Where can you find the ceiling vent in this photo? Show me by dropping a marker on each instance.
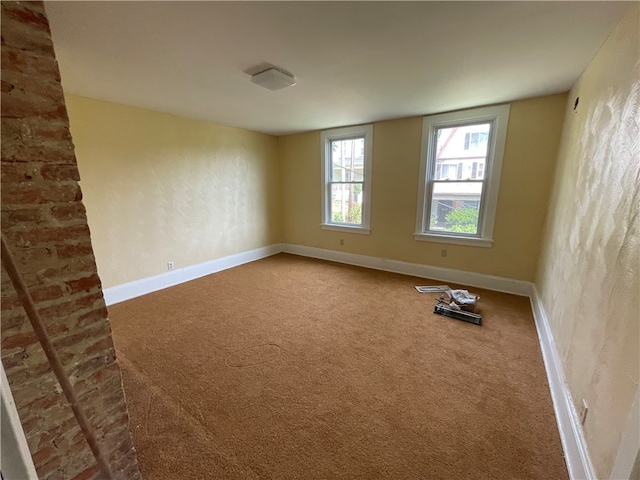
(274, 79)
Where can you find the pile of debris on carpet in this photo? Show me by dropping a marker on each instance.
(458, 303)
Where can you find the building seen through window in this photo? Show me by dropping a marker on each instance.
(460, 158)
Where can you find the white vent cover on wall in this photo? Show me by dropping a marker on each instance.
(273, 79)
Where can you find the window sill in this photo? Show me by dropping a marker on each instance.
(345, 228)
(453, 239)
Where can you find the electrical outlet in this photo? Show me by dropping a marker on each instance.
(169, 265)
(341, 241)
(443, 252)
(584, 409)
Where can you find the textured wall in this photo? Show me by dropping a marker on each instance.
(589, 272)
(164, 188)
(532, 141)
(44, 222)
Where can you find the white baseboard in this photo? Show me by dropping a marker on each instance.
(490, 282)
(130, 290)
(571, 434)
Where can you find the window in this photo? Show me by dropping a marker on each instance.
(460, 166)
(475, 139)
(346, 178)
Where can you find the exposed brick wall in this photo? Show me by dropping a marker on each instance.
(44, 222)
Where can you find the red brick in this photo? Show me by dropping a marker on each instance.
(79, 250)
(72, 339)
(83, 284)
(24, 193)
(48, 400)
(94, 364)
(90, 472)
(11, 217)
(70, 306)
(60, 172)
(31, 36)
(29, 67)
(38, 295)
(43, 400)
(34, 130)
(30, 425)
(33, 193)
(75, 211)
(103, 345)
(20, 104)
(34, 257)
(67, 269)
(57, 328)
(57, 235)
(12, 322)
(89, 300)
(50, 151)
(25, 13)
(90, 318)
(15, 360)
(43, 455)
(110, 372)
(47, 468)
(54, 433)
(18, 172)
(21, 82)
(19, 340)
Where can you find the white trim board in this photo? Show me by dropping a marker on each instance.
(16, 460)
(490, 282)
(127, 291)
(576, 454)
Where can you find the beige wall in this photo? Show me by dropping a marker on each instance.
(588, 276)
(530, 152)
(160, 188)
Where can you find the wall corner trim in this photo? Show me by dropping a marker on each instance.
(574, 444)
(472, 279)
(16, 457)
(137, 288)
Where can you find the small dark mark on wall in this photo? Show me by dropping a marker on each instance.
(575, 105)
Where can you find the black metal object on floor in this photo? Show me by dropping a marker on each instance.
(458, 314)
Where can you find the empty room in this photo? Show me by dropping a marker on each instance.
(320, 240)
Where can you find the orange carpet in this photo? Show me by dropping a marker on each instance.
(293, 368)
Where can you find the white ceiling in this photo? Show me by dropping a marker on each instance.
(355, 62)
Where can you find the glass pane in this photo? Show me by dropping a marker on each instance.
(347, 160)
(455, 207)
(346, 203)
(461, 152)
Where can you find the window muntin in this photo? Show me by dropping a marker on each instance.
(346, 181)
(460, 174)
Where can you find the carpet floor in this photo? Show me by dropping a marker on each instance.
(294, 368)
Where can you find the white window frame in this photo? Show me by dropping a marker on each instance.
(345, 133)
(498, 116)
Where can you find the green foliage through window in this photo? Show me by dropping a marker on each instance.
(463, 220)
(354, 215)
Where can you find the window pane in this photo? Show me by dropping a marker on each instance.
(347, 160)
(346, 203)
(458, 149)
(455, 207)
